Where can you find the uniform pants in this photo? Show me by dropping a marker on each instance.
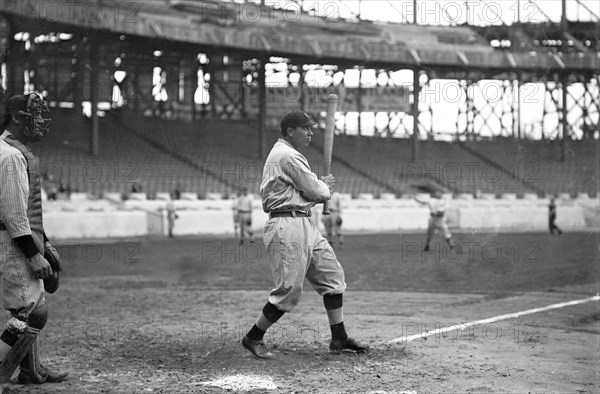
(331, 224)
(22, 292)
(435, 224)
(295, 250)
(245, 223)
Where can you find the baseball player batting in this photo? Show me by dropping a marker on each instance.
(295, 246)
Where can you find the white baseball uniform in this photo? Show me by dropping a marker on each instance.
(295, 246)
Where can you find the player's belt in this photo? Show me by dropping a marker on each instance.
(2, 227)
(244, 211)
(290, 214)
(437, 215)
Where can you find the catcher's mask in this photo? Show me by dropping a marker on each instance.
(36, 115)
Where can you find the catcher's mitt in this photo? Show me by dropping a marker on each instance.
(52, 282)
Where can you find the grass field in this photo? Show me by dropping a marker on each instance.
(484, 263)
(167, 315)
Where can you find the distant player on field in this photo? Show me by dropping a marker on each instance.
(552, 217)
(236, 219)
(244, 211)
(437, 219)
(333, 221)
(171, 217)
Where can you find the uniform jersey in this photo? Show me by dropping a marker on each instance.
(335, 203)
(333, 221)
(244, 212)
(234, 208)
(14, 192)
(437, 208)
(288, 183)
(244, 204)
(295, 246)
(437, 219)
(171, 212)
(552, 208)
(22, 292)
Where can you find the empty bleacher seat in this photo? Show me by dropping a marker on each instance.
(530, 196)
(423, 196)
(76, 197)
(112, 196)
(387, 196)
(138, 196)
(189, 196)
(214, 196)
(163, 196)
(538, 164)
(214, 155)
(345, 196)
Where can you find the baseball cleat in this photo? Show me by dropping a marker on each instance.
(257, 348)
(347, 345)
(44, 375)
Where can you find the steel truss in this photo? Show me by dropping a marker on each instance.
(166, 79)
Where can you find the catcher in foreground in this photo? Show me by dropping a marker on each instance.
(29, 265)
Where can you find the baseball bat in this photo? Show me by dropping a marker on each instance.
(332, 102)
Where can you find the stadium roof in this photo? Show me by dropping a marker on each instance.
(266, 31)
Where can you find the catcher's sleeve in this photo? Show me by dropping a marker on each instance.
(27, 245)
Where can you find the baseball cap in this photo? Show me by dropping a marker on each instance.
(295, 119)
(17, 103)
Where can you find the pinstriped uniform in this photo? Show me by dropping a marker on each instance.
(22, 292)
(295, 246)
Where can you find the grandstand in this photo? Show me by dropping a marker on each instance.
(211, 156)
(442, 166)
(175, 97)
(123, 160)
(538, 164)
(217, 156)
(218, 145)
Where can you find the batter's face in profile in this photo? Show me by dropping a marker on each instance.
(300, 137)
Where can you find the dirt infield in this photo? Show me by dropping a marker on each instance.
(167, 316)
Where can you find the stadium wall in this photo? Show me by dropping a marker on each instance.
(136, 218)
(95, 225)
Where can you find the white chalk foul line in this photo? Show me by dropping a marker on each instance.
(462, 326)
